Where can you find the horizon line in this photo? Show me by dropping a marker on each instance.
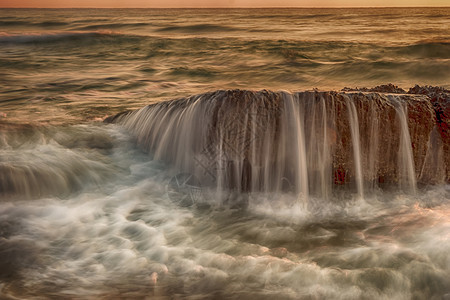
(224, 7)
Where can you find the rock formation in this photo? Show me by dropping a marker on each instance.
(304, 142)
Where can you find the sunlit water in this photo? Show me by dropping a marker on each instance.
(88, 215)
(67, 65)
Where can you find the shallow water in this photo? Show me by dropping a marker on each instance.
(85, 213)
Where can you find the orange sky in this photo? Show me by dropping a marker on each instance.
(217, 3)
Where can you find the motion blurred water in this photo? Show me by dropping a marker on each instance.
(70, 65)
(84, 212)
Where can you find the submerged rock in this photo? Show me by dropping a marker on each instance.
(304, 142)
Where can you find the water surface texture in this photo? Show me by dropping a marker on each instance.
(80, 64)
(86, 211)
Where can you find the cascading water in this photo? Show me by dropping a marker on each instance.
(295, 115)
(407, 174)
(307, 143)
(354, 128)
(328, 179)
(38, 162)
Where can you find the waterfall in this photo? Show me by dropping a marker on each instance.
(295, 116)
(305, 143)
(407, 174)
(354, 128)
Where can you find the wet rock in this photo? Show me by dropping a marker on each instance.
(440, 98)
(257, 141)
(116, 118)
(385, 88)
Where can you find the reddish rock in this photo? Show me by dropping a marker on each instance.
(266, 141)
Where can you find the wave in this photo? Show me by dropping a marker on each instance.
(52, 23)
(433, 48)
(197, 28)
(192, 72)
(32, 24)
(113, 26)
(38, 161)
(287, 14)
(13, 23)
(50, 37)
(288, 49)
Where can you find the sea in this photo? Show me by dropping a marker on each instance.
(85, 212)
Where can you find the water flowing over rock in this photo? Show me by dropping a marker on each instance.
(440, 98)
(36, 161)
(310, 143)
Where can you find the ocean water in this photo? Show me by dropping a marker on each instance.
(72, 65)
(85, 213)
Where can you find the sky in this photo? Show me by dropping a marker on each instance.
(218, 3)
